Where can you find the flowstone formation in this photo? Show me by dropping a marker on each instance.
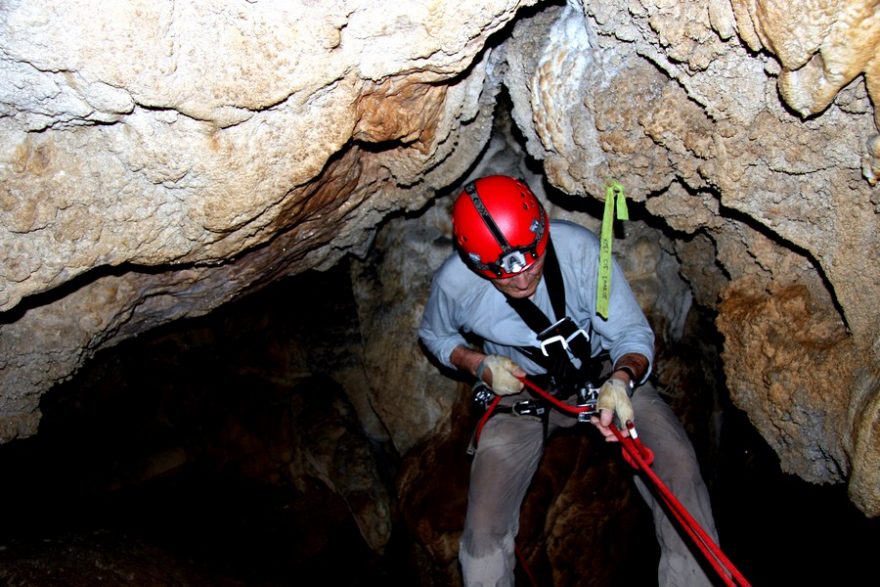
(161, 158)
(768, 186)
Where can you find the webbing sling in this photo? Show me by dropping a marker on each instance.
(557, 362)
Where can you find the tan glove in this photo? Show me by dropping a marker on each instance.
(614, 398)
(504, 374)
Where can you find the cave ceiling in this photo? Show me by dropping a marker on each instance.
(159, 159)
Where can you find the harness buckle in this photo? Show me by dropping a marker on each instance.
(483, 395)
(527, 407)
(563, 332)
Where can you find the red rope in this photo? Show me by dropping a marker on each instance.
(525, 566)
(722, 565)
(637, 453)
(559, 404)
(484, 419)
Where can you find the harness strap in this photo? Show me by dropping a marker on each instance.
(526, 308)
(562, 375)
(527, 407)
(553, 357)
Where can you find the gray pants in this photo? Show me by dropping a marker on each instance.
(507, 457)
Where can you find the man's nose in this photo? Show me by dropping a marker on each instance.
(521, 280)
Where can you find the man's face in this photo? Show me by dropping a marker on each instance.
(524, 283)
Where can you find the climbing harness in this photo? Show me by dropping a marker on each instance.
(584, 407)
(558, 342)
(559, 338)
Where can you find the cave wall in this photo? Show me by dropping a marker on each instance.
(752, 152)
(160, 159)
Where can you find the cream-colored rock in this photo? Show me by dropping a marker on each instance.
(158, 159)
(182, 135)
(823, 46)
(787, 384)
(227, 111)
(782, 199)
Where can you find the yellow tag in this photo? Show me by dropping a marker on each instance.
(613, 193)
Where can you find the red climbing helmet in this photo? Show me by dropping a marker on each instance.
(500, 226)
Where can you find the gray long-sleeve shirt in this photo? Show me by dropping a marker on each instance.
(462, 301)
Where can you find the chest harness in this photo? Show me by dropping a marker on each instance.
(556, 338)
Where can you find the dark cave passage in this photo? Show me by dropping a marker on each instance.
(172, 459)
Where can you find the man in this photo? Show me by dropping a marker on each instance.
(527, 288)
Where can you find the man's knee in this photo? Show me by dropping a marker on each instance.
(487, 559)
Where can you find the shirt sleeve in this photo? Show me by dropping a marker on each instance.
(439, 331)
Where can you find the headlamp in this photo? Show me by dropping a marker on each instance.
(509, 263)
(513, 262)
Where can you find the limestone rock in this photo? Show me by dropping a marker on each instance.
(673, 106)
(160, 159)
(183, 154)
(821, 49)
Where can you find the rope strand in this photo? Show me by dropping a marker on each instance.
(635, 450)
(722, 565)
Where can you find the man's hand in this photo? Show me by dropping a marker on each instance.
(502, 374)
(613, 399)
